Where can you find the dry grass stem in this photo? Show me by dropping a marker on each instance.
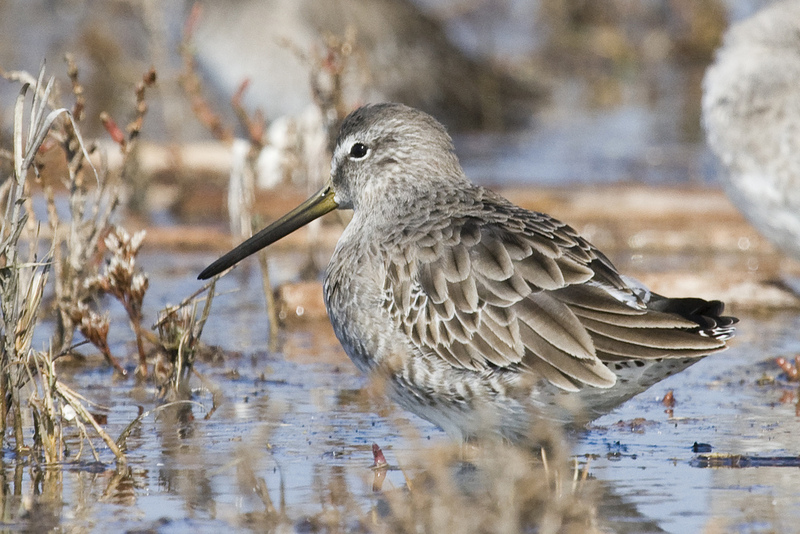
(193, 85)
(179, 329)
(26, 371)
(75, 256)
(74, 401)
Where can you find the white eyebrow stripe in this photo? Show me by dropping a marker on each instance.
(343, 148)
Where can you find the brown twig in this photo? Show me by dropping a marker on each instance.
(77, 88)
(73, 400)
(254, 125)
(135, 126)
(193, 85)
(329, 97)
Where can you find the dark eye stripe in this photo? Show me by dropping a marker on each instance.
(358, 150)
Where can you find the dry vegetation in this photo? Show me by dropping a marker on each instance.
(86, 256)
(62, 267)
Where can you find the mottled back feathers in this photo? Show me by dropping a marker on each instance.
(497, 286)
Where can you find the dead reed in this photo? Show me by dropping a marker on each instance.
(89, 255)
(28, 380)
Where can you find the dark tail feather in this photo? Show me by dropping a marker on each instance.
(706, 313)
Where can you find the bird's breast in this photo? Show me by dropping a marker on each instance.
(353, 292)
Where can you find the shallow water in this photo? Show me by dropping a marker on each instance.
(300, 420)
(719, 403)
(298, 424)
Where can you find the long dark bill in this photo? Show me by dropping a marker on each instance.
(318, 205)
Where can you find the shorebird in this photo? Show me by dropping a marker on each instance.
(751, 112)
(478, 315)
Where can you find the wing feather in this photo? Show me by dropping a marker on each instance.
(554, 321)
(590, 371)
(505, 287)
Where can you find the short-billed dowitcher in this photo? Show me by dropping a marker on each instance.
(480, 316)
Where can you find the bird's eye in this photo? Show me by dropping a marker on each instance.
(358, 150)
